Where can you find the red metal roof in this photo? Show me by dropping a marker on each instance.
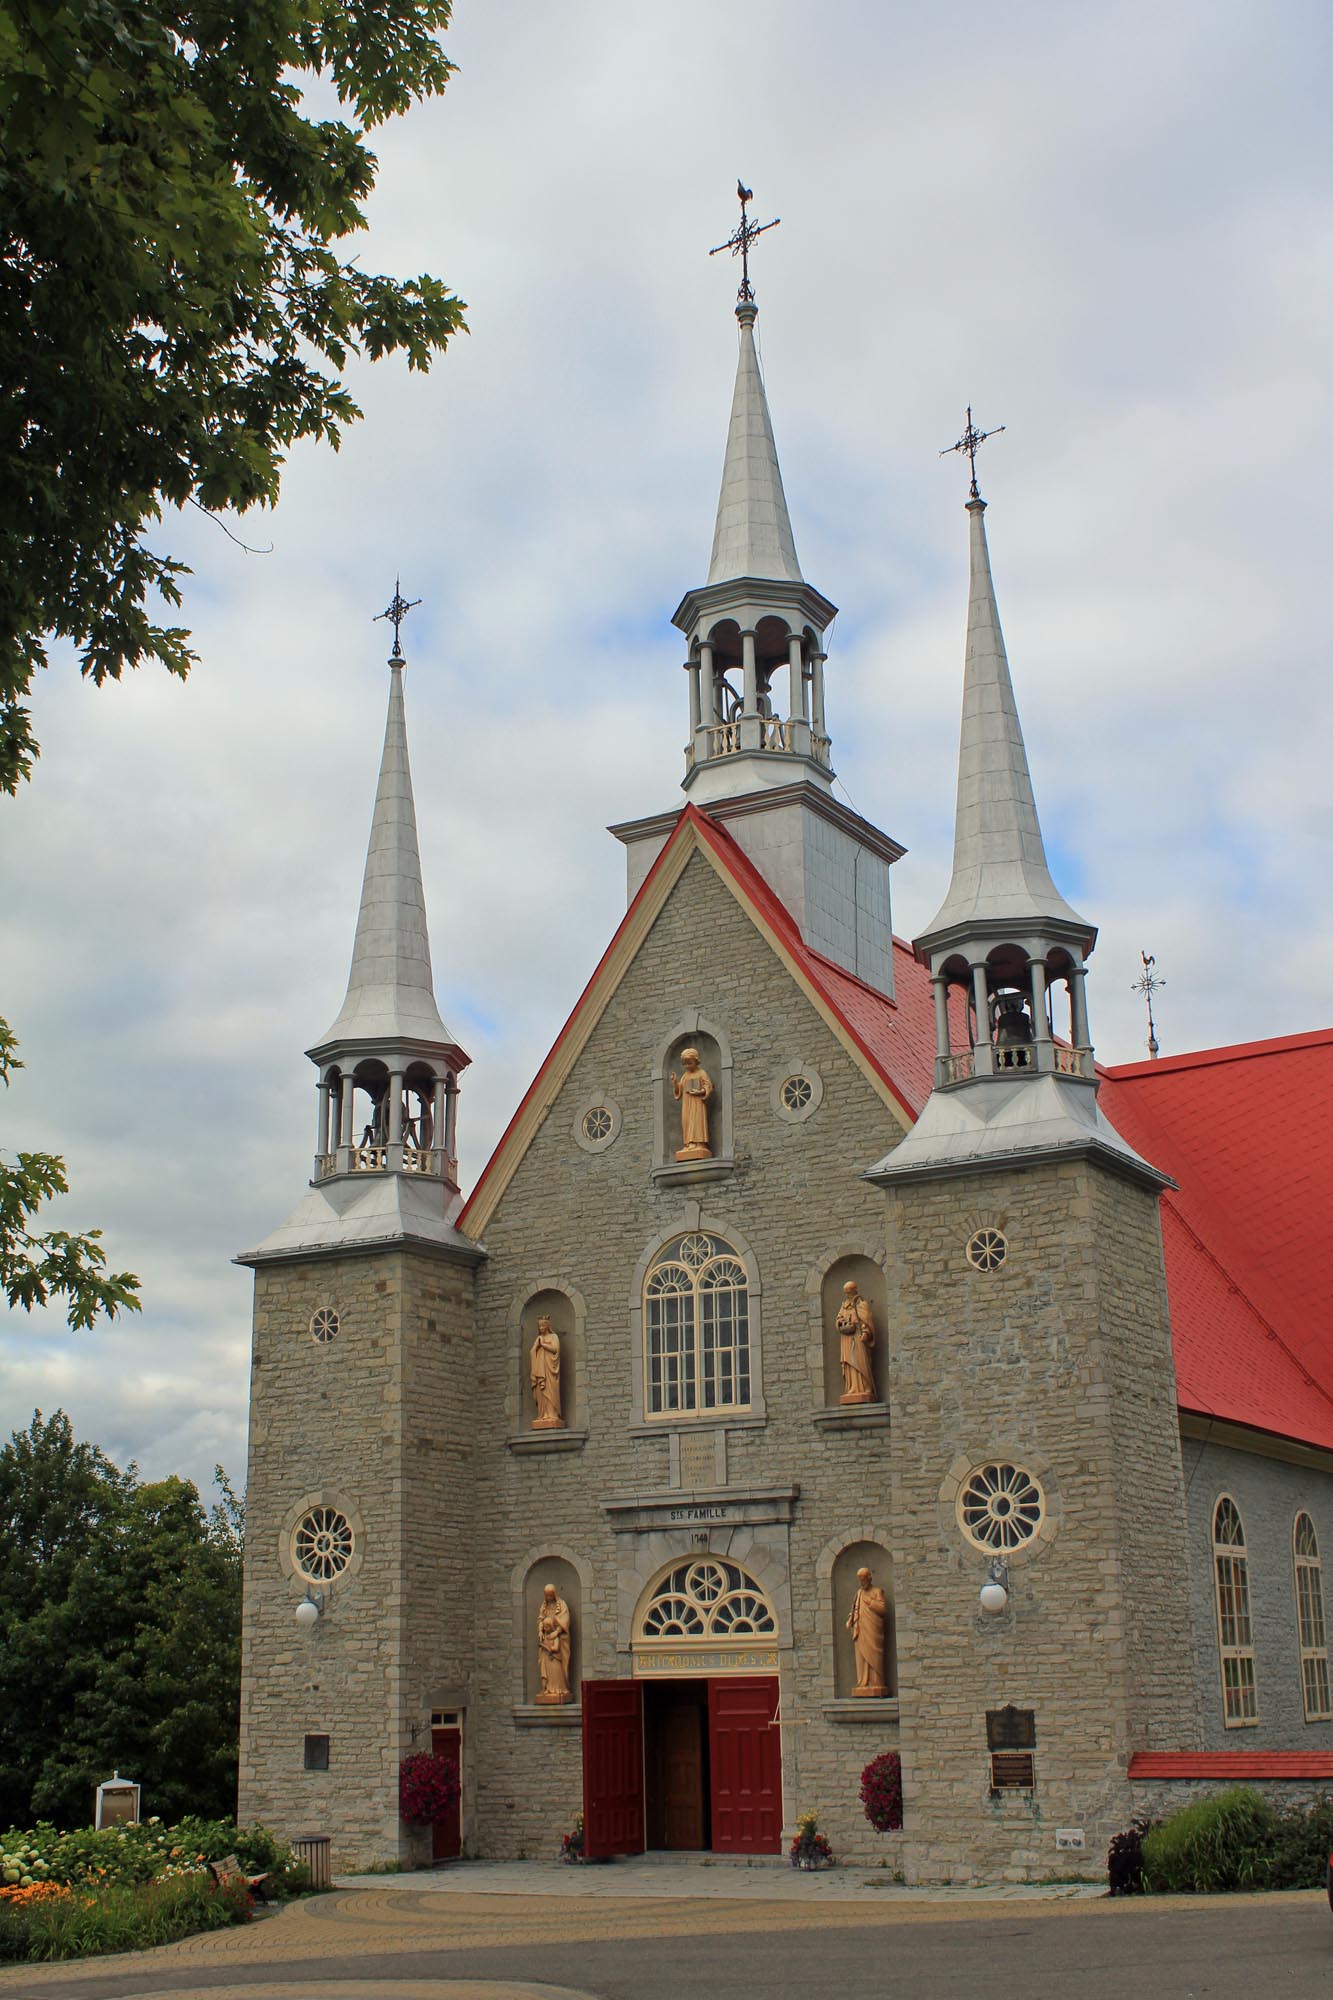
(1234, 1764)
(1247, 1132)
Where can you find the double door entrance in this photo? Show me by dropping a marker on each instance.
(682, 1764)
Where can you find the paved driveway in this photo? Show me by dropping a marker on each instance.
(397, 1942)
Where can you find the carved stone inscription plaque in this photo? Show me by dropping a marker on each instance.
(698, 1461)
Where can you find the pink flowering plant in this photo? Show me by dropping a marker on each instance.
(882, 1792)
(572, 1843)
(427, 1788)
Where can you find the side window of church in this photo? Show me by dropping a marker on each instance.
(1310, 1621)
(1235, 1631)
(696, 1328)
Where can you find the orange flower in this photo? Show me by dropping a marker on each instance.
(36, 1892)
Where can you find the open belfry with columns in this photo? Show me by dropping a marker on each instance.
(833, 1358)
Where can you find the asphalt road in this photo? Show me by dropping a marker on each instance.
(1260, 1948)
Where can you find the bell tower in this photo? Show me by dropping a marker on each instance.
(1036, 1481)
(357, 1616)
(758, 755)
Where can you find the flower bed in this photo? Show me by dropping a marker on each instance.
(70, 1895)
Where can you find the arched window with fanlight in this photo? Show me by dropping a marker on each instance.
(1235, 1630)
(1310, 1621)
(696, 1319)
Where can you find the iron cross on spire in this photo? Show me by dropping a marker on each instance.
(1147, 984)
(739, 243)
(971, 442)
(397, 610)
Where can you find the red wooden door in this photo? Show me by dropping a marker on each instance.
(613, 1767)
(446, 1835)
(745, 1764)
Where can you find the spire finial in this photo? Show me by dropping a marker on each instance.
(971, 442)
(396, 611)
(740, 240)
(1147, 984)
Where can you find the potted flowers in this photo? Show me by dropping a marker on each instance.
(882, 1792)
(810, 1849)
(571, 1843)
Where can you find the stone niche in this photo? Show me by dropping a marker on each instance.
(871, 1556)
(869, 1280)
(567, 1321)
(552, 1569)
(715, 1059)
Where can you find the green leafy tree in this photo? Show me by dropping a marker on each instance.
(35, 1269)
(175, 308)
(120, 1610)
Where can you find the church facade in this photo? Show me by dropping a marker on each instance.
(832, 1359)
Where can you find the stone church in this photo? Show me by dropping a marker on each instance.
(833, 1357)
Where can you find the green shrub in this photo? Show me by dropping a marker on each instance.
(118, 1916)
(1302, 1840)
(1223, 1842)
(150, 1852)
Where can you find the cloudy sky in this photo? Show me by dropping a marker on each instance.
(1108, 228)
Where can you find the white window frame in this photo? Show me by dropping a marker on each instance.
(678, 1274)
(1235, 1621)
(1311, 1626)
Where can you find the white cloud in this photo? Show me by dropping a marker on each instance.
(1108, 230)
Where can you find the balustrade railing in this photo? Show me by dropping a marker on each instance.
(1073, 1062)
(1016, 1055)
(374, 1159)
(957, 1068)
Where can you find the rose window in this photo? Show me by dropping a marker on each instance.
(322, 1545)
(797, 1091)
(1001, 1507)
(597, 1124)
(987, 1250)
(324, 1324)
(707, 1600)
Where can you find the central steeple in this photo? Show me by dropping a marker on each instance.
(753, 535)
(758, 756)
(756, 629)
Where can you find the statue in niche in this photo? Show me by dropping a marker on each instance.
(856, 1329)
(692, 1092)
(544, 1375)
(553, 1646)
(868, 1623)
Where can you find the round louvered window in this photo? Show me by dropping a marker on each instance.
(987, 1249)
(322, 1544)
(1000, 1507)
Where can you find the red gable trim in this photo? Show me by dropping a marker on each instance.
(771, 914)
(1233, 1764)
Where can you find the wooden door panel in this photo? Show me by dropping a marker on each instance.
(446, 1835)
(745, 1759)
(683, 1774)
(613, 1767)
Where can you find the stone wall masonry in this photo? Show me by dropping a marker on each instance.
(1053, 1361)
(1269, 1494)
(584, 1222)
(365, 1423)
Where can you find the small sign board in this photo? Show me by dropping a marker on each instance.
(1069, 1836)
(1012, 1771)
(117, 1802)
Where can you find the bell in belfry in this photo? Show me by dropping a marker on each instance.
(1013, 1025)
